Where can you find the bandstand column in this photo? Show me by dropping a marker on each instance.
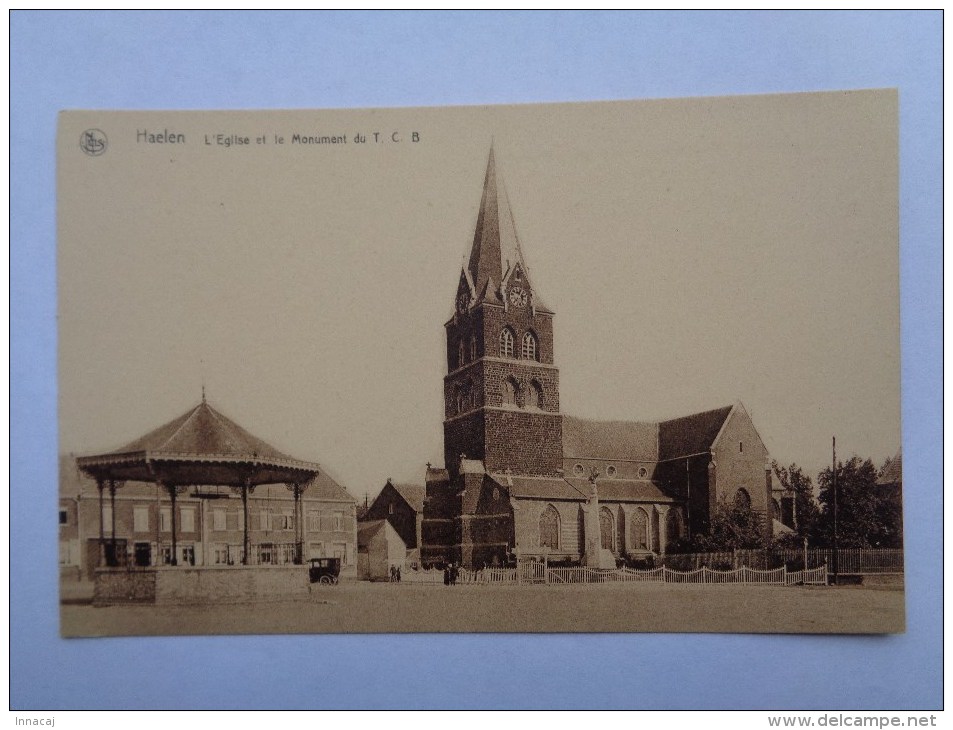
(245, 542)
(102, 520)
(172, 495)
(113, 560)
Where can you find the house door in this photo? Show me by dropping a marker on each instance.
(143, 554)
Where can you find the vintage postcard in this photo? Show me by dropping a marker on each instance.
(614, 367)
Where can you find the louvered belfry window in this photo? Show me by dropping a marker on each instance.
(530, 349)
(506, 342)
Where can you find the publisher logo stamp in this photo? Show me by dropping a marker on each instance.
(93, 142)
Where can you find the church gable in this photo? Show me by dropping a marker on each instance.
(693, 434)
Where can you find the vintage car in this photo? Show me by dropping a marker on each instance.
(324, 570)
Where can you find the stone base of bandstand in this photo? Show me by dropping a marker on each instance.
(190, 585)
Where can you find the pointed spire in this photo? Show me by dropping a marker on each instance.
(496, 247)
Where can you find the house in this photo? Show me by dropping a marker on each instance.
(379, 549)
(521, 478)
(402, 505)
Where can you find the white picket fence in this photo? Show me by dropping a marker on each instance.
(561, 576)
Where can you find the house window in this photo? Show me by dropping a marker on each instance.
(64, 517)
(549, 528)
(64, 553)
(530, 348)
(140, 519)
(165, 519)
(338, 524)
(165, 555)
(188, 555)
(283, 522)
(266, 554)
(218, 520)
(339, 550)
(506, 342)
(188, 518)
(534, 397)
(220, 554)
(510, 389)
(315, 550)
(264, 520)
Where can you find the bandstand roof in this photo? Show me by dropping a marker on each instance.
(199, 447)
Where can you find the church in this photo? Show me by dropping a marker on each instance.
(524, 480)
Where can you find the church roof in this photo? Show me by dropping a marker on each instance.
(496, 249)
(692, 434)
(578, 490)
(614, 440)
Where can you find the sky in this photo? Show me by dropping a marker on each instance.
(696, 252)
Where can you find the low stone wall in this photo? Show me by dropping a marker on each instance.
(205, 585)
(124, 586)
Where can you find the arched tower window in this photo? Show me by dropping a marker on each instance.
(639, 529)
(534, 397)
(510, 391)
(473, 353)
(506, 342)
(461, 355)
(549, 528)
(465, 398)
(742, 499)
(530, 347)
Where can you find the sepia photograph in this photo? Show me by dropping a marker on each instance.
(627, 366)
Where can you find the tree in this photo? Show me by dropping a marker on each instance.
(733, 526)
(806, 510)
(864, 515)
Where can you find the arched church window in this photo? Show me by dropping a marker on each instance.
(530, 347)
(742, 499)
(461, 355)
(473, 353)
(534, 397)
(776, 509)
(549, 528)
(674, 526)
(639, 530)
(506, 342)
(510, 391)
(606, 530)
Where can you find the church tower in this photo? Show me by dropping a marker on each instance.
(501, 391)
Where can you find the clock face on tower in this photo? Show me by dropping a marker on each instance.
(518, 297)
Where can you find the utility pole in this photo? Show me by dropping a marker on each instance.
(834, 475)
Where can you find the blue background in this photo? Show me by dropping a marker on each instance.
(205, 60)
